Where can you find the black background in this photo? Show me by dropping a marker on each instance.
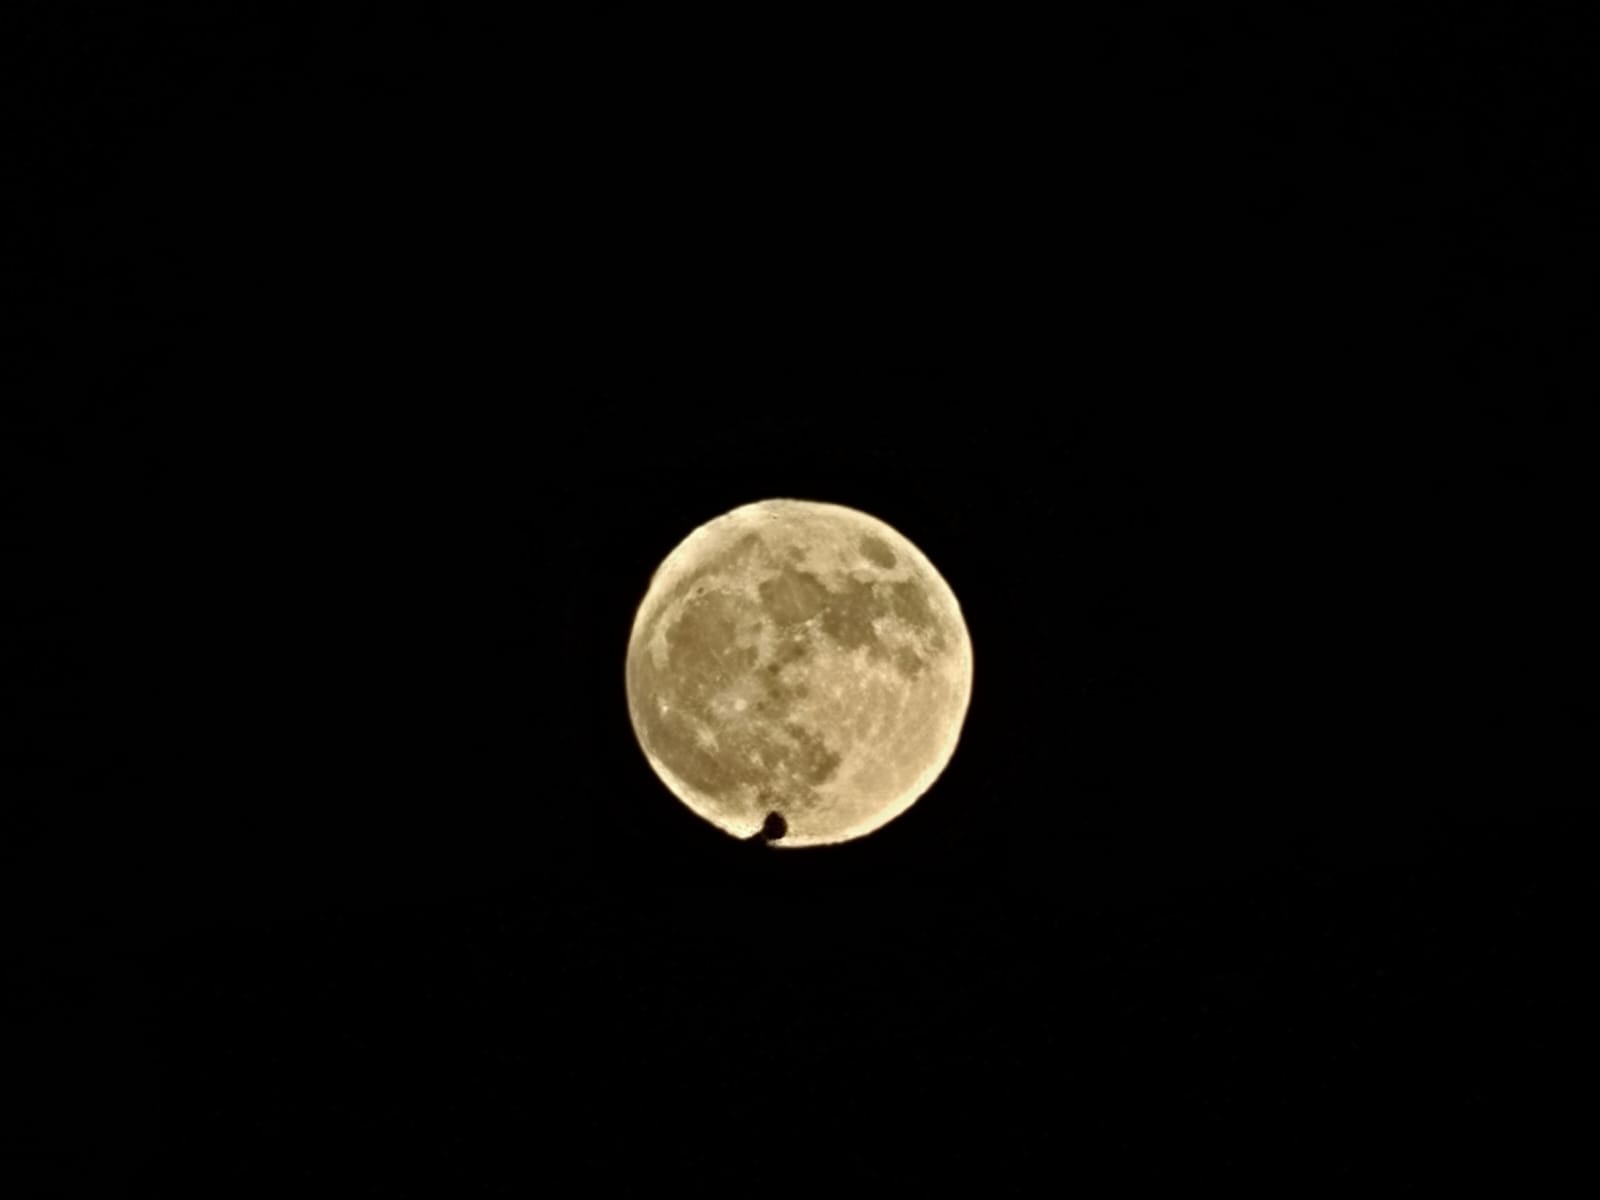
(369, 362)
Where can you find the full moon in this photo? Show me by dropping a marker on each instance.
(798, 669)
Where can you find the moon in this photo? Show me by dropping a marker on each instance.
(800, 670)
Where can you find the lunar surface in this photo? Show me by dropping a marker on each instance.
(798, 667)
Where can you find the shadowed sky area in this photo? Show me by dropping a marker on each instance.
(370, 362)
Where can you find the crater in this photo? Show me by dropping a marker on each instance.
(848, 618)
(703, 645)
(795, 648)
(793, 597)
(700, 579)
(697, 765)
(908, 662)
(812, 760)
(876, 551)
(738, 552)
(909, 602)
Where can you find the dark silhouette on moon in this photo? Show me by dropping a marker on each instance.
(774, 827)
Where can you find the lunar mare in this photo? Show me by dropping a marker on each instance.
(803, 659)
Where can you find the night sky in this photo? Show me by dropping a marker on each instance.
(369, 363)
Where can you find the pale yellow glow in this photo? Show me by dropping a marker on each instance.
(802, 658)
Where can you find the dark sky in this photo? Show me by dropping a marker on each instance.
(370, 362)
